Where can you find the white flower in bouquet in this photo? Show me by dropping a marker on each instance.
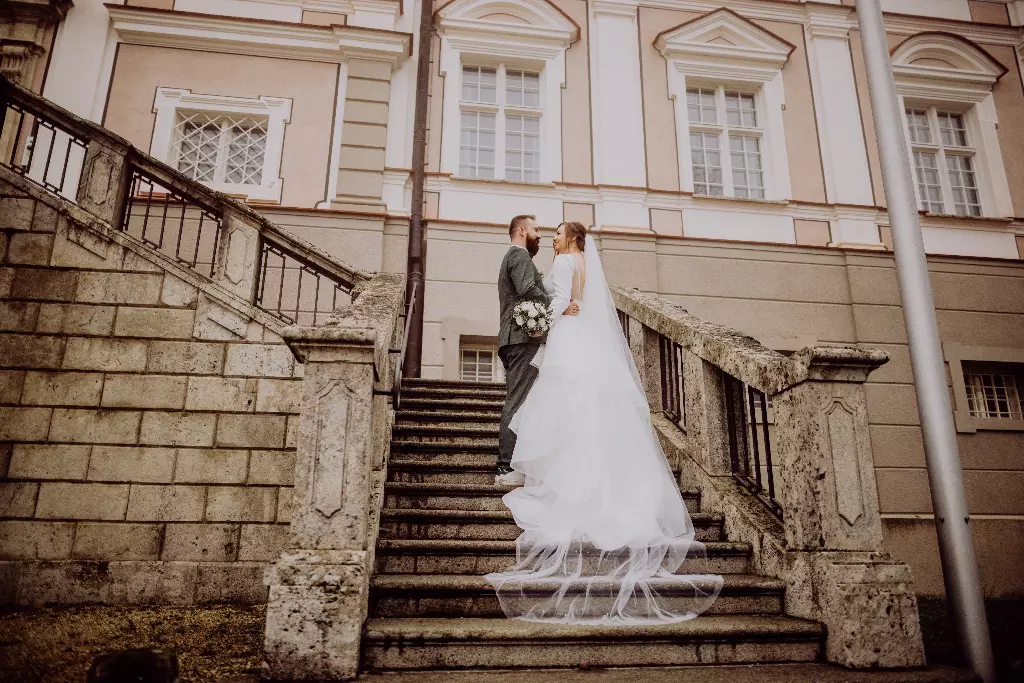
(520, 321)
(531, 324)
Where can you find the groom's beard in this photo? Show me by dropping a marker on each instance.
(533, 246)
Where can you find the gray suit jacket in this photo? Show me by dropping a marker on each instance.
(518, 280)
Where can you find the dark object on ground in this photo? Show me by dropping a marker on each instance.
(1004, 622)
(144, 665)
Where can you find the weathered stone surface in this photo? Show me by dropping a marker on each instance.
(279, 396)
(211, 466)
(262, 542)
(102, 502)
(237, 582)
(177, 292)
(43, 284)
(191, 358)
(49, 461)
(30, 249)
(131, 464)
(204, 542)
(272, 467)
(109, 355)
(315, 614)
(94, 426)
(18, 499)
(258, 360)
(35, 540)
(231, 394)
(98, 541)
(166, 503)
(62, 388)
(24, 424)
(11, 383)
(177, 429)
(251, 431)
(144, 391)
(241, 504)
(18, 316)
(30, 351)
(76, 319)
(154, 323)
(119, 288)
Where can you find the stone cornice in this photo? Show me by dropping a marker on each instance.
(257, 37)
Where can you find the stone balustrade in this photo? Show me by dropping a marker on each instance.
(827, 545)
(319, 589)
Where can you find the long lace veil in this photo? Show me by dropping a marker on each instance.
(605, 528)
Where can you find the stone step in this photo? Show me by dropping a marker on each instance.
(467, 496)
(419, 448)
(422, 403)
(411, 644)
(495, 525)
(425, 465)
(407, 416)
(458, 392)
(421, 383)
(415, 556)
(458, 596)
(445, 434)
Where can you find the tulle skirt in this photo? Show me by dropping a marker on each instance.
(606, 536)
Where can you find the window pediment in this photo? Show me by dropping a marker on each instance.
(724, 38)
(945, 62)
(531, 21)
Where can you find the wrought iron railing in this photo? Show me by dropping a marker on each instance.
(750, 443)
(169, 212)
(182, 227)
(673, 386)
(39, 148)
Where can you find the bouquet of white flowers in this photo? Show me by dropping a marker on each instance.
(533, 318)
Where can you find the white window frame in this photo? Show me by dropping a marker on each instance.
(723, 131)
(748, 59)
(501, 109)
(956, 356)
(469, 37)
(277, 110)
(497, 374)
(950, 74)
(942, 152)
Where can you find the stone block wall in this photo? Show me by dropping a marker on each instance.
(147, 422)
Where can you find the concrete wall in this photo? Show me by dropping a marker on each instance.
(146, 452)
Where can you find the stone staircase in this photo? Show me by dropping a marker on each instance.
(443, 526)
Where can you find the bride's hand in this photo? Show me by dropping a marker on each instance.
(573, 309)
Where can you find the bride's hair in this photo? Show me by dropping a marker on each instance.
(576, 232)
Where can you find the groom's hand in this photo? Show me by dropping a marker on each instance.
(573, 309)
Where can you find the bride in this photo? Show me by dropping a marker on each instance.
(604, 525)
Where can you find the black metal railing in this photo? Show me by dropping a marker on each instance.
(673, 388)
(624, 324)
(750, 444)
(184, 228)
(293, 288)
(39, 148)
(410, 309)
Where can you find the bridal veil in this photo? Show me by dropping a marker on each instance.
(606, 536)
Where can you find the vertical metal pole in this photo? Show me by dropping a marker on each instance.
(416, 261)
(945, 474)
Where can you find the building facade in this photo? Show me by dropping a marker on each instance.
(723, 150)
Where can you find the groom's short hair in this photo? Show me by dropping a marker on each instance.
(519, 222)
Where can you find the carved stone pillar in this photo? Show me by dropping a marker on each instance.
(102, 187)
(643, 343)
(319, 588)
(706, 419)
(836, 570)
(238, 253)
(26, 30)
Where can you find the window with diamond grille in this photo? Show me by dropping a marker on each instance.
(722, 120)
(221, 149)
(500, 123)
(993, 390)
(944, 162)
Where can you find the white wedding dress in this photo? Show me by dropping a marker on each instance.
(604, 526)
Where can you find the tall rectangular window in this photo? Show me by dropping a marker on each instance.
(722, 119)
(944, 162)
(501, 114)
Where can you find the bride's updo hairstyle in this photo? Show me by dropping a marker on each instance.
(576, 232)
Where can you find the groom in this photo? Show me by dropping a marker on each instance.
(518, 281)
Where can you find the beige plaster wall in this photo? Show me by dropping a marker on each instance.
(804, 151)
(988, 13)
(140, 70)
(1009, 97)
(577, 151)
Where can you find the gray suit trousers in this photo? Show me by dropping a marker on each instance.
(519, 379)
